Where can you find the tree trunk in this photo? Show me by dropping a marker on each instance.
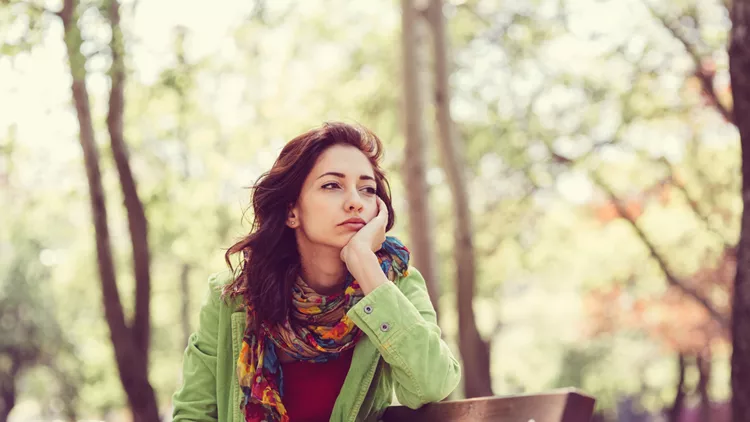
(474, 350)
(182, 135)
(69, 387)
(69, 394)
(185, 309)
(679, 398)
(8, 389)
(128, 346)
(415, 181)
(9, 401)
(739, 69)
(703, 361)
(136, 216)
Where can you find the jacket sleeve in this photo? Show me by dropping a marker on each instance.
(196, 398)
(401, 322)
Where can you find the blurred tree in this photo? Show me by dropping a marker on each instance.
(739, 69)
(22, 326)
(421, 231)
(475, 351)
(630, 161)
(676, 410)
(30, 334)
(130, 341)
(181, 90)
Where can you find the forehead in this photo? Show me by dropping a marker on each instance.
(344, 159)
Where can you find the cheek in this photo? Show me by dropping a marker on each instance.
(322, 205)
(371, 208)
(317, 209)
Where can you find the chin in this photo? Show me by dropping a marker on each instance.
(343, 240)
(334, 241)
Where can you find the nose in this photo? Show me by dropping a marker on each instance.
(354, 202)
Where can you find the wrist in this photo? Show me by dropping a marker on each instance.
(366, 270)
(355, 256)
(360, 250)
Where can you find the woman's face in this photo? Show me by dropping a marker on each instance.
(340, 186)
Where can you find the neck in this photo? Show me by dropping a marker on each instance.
(322, 268)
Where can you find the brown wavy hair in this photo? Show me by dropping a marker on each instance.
(269, 261)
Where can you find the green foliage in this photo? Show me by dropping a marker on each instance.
(31, 336)
(21, 27)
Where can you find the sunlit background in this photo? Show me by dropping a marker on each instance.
(602, 176)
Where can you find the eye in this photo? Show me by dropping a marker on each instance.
(330, 185)
(370, 190)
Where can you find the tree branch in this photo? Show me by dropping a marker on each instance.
(133, 370)
(671, 278)
(420, 213)
(473, 348)
(111, 297)
(694, 205)
(137, 223)
(706, 78)
(677, 404)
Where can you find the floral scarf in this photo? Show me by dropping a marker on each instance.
(317, 330)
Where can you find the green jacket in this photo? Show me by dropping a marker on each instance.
(402, 351)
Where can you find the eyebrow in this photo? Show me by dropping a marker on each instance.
(343, 176)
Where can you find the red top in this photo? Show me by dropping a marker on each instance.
(311, 389)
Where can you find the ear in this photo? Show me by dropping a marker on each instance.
(292, 218)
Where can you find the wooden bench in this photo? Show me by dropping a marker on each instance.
(567, 405)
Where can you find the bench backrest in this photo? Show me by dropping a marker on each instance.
(556, 406)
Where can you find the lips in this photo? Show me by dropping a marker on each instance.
(354, 220)
(353, 223)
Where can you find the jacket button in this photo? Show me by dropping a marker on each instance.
(385, 327)
(368, 309)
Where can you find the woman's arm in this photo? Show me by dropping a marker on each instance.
(401, 321)
(196, 399)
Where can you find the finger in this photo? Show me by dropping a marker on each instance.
(382, 208)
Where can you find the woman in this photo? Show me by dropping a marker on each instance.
(324, 318)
